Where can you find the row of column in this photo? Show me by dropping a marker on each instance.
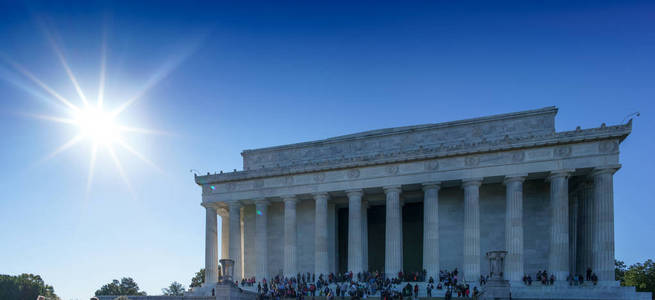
(598, 243)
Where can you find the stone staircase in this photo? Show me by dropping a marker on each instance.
(536, 291)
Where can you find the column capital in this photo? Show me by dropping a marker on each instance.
(392, 189)
(290, 199)
(262, 202)
(471, 182)
(209, 205)
(514, 178)
(432, 185)
(223, 212)
(611, 169)
(321, 195)
(560, 173)
(355, 193)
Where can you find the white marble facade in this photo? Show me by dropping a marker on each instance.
(504, 182)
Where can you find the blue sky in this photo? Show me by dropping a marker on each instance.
(228, 76)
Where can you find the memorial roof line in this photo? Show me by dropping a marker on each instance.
(525, 129)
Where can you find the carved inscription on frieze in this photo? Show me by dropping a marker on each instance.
(354, 173)
(432, 165)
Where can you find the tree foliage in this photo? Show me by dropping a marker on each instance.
(641, 276)
(175, 289)
(619, 270)
(25, 286)
(198, 279)
(126, 286)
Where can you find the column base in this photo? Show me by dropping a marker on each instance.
(204, 290)
(516, 283)
(610, 283)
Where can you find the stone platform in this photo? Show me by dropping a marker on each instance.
(533, 292)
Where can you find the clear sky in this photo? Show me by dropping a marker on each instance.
(214, 79)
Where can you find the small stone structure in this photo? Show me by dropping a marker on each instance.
(227, 266)
(497, 287)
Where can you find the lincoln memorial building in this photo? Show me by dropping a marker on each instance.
(426, 197)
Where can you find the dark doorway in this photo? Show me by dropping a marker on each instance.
(376, 236)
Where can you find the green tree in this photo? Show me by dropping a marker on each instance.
(25, 286)
(619, 271)
(175, 289)
(641, 276)
(127, 286)
(198, 279)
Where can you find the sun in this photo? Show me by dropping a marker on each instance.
(94, 122)
(98, 125)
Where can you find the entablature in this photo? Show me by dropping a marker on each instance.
(535, 159)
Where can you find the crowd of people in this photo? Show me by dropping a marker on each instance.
(577, 279)
(364, 284)
(359, 286)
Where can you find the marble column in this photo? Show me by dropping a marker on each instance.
(321, 235)
(290, 259)
(355, 230)
(558, 259)
(211, 245)
(472, 230)
(364, 235)
(225, 232)
(573, 232)
(393, 260)
(261, 239)
(585, 212)
(603, 227)
(431, 229)
(235, 238)
(514, 228)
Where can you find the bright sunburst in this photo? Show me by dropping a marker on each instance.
(95, 123)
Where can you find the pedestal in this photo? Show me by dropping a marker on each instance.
(497, 287)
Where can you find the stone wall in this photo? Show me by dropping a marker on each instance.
(305, 211)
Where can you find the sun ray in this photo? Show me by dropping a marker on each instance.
(92, 163)
(161, 73)
(70, 143)
(120, 170)
(50, 118)
(158, 76)
(12, 78)
(129, 148)
(40, 83)
(53, 43)
(103, 70)
(143, 130)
